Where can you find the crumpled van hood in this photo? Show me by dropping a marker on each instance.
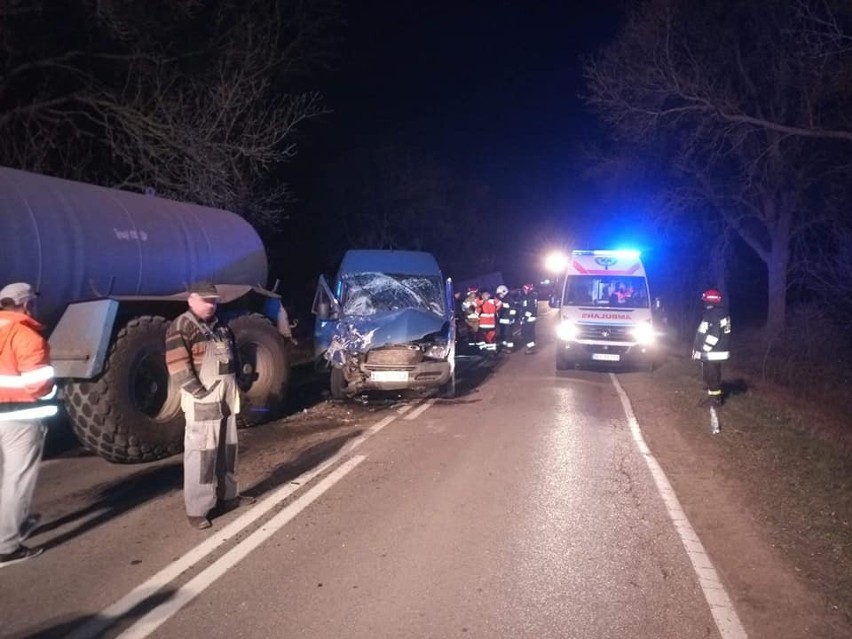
(358, 334)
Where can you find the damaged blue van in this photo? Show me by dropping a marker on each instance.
(386, 324)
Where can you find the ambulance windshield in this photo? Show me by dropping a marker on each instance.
(606, 290)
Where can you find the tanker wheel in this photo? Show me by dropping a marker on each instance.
(131, 413)
(265, 369)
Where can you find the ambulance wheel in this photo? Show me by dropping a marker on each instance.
(562, 362)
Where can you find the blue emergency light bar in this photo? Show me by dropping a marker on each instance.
(626, 254)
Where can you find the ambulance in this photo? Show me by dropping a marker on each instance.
(605, 311)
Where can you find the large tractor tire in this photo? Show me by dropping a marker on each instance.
(130, 413)
(265, 363)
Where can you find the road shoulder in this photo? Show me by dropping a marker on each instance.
(770, 502)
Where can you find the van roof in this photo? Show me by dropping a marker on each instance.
(401, 262)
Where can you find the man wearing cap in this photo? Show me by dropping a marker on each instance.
(201, 359)
(26, 385)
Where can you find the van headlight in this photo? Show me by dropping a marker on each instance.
(644, 333)
(567, 331)
(438, 350)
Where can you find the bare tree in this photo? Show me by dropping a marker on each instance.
(753, 116)
(197, 99)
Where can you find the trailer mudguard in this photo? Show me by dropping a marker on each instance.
(79, 343)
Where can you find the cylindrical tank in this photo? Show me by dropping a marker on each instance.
(76, 241)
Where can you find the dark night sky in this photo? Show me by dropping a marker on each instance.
(489, 89)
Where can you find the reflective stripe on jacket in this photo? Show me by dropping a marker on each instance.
(26, 376)
(712, 339)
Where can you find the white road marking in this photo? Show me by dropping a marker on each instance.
(405, 408)
(417, 412)
(186, 593)
(717, 598)
(109, 616)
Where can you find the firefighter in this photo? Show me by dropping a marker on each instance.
(506, 316)
(459, 317)
(528, 309)
(712, 342)
(470, 306)
(487, 323)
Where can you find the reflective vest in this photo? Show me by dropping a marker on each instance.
(26, 376)
(488, 314)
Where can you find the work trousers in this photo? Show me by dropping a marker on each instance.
(21, 446)
(528, 332)
(712, 373)
(209, 464)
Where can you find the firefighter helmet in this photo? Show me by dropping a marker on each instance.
(527, 288)
(502, 290)
(472, 290)
(711, 296)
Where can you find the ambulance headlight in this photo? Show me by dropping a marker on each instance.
(567, 331)
(644, 333)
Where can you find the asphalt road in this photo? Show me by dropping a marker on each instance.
(522, 508)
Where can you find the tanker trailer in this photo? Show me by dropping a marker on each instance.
(112, 269)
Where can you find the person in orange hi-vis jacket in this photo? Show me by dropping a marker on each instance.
(488, 322)
(26, 388)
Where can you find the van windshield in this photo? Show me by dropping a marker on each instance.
(372, 293)
(606, 290)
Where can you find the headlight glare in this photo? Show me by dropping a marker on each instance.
(644, 333)
(567, 331)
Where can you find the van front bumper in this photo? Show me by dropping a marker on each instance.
(421, 376)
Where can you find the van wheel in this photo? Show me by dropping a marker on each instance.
(130, 413)
(562, 362)
(448, 389)
(337, 383)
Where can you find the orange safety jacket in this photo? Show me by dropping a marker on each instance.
(26, 376)
(488, 315)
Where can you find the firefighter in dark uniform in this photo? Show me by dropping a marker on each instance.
(459, 317)
(506, 316)
(712, 343)
(528, 310)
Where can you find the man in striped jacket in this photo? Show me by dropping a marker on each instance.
(201, 359)
(26, 386)
(711, 345)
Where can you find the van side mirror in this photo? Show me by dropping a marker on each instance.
(323, 310)
(555, 301)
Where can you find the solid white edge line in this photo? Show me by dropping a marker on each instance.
(417, 412)
(721, 608)
(189, 591)
(112, 614)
